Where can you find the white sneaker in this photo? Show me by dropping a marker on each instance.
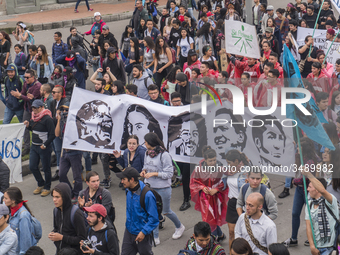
(157, 241)
(178, 232)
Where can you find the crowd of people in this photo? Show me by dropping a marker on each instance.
(160, 50)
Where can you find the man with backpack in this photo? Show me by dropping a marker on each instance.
(324, 212)
(115, 64)
(14, 106)
(142, 81)
(140, 223)
(94, 194)
(101, 235)
(68, 220)
(255, 176)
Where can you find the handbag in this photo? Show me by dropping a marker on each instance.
(303, 62)
(253, 239)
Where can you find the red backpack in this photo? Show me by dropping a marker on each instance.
(173, 52)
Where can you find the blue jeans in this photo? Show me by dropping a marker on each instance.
(71, 159)
(57, 149)
(165, 193)
(325, 251)
(217, 232)
(287, 182)
(87, 4)
(9, 114)
(191, 12)
(299, 201)
(37, 154)
(88, 161)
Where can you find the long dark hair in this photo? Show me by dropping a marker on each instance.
(158, 48)
(172, 74)
(335, 94)
(125, 34)
(232, 155)
(102, 50)
(219, 26)
(241, 246)
(120, 87)
(153, 140)
(136, 48)
(330, 129)
(15, 194)
(149, 42)
(208, 152)
(44, 55)
(278, 249)
(318, 66)
(204, 30)
(6, 36)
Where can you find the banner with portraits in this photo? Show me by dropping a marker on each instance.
(102, 123)
(11, 148)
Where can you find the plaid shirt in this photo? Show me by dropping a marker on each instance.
(285, 27)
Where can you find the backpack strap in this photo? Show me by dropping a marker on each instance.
(73, 212)
(263, 191)
(107, 240)
(142, 196)
(244, 190)
(146, 82)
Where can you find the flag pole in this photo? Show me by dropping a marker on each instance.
(316, 22)
(304, 182)
(330, 46)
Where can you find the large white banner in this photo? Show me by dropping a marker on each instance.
(102, 123)
(334, 52)
(336, 5)
(10, 149)
(319, 37)
(241, 39)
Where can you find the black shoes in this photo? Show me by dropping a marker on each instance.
(284, 193)
(221, 238)
(55, 177)
(186, 205)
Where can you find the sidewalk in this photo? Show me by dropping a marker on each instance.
(66, 17)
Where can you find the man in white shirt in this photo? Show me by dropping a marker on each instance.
(261, 231)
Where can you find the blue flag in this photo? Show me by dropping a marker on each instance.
(122, 56)
(310, 124)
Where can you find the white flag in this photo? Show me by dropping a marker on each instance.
(241, 39)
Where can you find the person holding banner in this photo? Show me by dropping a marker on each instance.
(308, 56)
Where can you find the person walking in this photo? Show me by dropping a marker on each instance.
(87, 5)
(42, 127)
(158, 171)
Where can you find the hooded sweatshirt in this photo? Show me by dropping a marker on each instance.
(102, 245)
(143, 83)
(62, 221)
(16, 83)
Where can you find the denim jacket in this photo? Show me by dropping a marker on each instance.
(8, 241)
(22, 225)
(48, 69)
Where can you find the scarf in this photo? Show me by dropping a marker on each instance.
(153, 153)
(37, 117)
(325, 232)
(135, 188)
(16, 208)
(72, 62)
(65, 80)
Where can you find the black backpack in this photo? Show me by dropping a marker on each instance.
(158, 197)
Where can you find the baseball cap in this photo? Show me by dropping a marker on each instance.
(331, 31)
(111, 50)
(128, 173)
(67, 70)
(37, 103)
(270, 8)
(97, 208)
(3, 210)
(96, 14)
(10, 68)
(192, 52)
(181, 77)
(70, 55)
(106, 27)
(65, 105)
(269, 30)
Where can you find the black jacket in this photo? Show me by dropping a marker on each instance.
(99, 243)
(187, 92)
(73, 82)
(160, 100)
(44, 128)
(110, 37)
(4, 176)
(117, 68)
(62, 221)
(54, 108)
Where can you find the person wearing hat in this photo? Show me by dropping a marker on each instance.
(8, 237)
(139, 222)
(270, 14)
(185, 88)
(87, 5)
(106, 36)
(100, 233)
(70, 81)
(43, 127)
(115, 64)
(310, 16)
(192, 61)
(14, 105)
(97, 24)
(330, 34)
(291, 12)
(75, 61)
(22, 36)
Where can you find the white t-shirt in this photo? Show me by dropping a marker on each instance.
(185, 46)
(148, 55)
(232, 183)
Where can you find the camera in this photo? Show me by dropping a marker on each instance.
(86, 245)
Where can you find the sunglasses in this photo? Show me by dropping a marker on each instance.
(27, 77)
(53, 92)
(64, 109)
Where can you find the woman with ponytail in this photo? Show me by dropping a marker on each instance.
(20, 220)
(158, 171)
(206, 187)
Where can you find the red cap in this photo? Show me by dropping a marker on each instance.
(97, 208)
(209, 14)
(331, 31)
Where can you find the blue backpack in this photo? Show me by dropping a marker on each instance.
(187, 252)
(73, 212)
(36, 230)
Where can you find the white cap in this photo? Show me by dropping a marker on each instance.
(97, 14)
(22, 25)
